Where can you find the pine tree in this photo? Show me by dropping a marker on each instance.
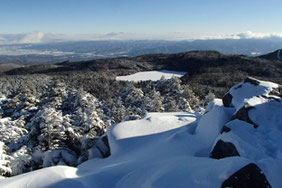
(5, 164)
(153, 102)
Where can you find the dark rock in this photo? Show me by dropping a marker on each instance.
(243, 115)
(252, 81)
(271, 98)
(239, 86)
(248, 176)
(223, 149)
(106, 141)
(227, 99)
(105, 150)
(277, 92)
(225, 129)
(63, 63)
(132, 117)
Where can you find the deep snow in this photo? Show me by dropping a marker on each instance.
(173, 149)
(158, 151)
(151, 75)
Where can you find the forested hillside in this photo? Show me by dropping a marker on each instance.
(51, 120)
(57, 114)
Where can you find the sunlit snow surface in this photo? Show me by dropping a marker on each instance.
(151, 75)
(160, 150)
(165, 150)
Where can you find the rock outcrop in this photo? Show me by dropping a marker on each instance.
(249, 88)
(248, 176)
(254, 132)
(223, 149)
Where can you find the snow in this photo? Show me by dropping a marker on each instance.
(164, 157)
(266, 112)
(246, 90)
(213, 103)
(152, 123)
(263, 144)
(150, 75)
(60, 156)
(209, 127)
(160, 150)
(94, 153)
(2, 98)
(3, 159)
(4, 120)
(172, 149)
(41, 178)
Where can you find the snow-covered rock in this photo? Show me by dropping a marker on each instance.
(255, 130)
(247, 89)
(209, 127)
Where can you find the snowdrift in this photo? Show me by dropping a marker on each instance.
(236, 143)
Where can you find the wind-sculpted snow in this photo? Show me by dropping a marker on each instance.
(162, 155)
(181, 149)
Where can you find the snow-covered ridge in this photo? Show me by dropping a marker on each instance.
(236, 143)
(151, 75)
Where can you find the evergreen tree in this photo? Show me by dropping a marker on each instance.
(5, 164)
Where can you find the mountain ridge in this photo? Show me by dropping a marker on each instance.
(210, 70)
(276, 55)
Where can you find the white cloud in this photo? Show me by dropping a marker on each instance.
(34, 37)
(250, 35)
(247, 35)
(39, 37)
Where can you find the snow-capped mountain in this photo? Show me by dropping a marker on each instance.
(235, 143)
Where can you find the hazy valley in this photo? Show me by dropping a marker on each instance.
(55, 52)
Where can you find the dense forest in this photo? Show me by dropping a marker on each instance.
(51, 120)
(58, 114)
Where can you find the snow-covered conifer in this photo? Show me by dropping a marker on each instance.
(5, 164)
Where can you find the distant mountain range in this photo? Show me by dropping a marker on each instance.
(48, 53)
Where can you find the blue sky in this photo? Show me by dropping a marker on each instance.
(199, 17)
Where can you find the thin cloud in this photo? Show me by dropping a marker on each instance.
(247, 35)
(39, 37)
(34, 37)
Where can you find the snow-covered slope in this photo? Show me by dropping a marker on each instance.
(158, 151)
(151, 75)
(227, 146)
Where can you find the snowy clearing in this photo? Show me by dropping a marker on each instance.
(150, 75)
